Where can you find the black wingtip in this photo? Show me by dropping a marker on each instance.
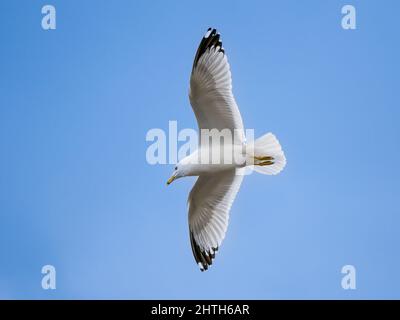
(210, 39)
(203, 258)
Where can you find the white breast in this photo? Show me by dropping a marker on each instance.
(214, 159)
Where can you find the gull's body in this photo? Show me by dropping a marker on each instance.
(219, 167)
(195, 165)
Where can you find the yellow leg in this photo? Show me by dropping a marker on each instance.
(264, 158)
(263, 161)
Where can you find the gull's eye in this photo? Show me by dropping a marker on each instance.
(176, 168)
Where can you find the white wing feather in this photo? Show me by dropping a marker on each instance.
(209, 204)
(210, 93)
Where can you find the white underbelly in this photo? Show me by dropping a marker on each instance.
(217, 159)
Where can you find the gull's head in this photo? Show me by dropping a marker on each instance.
(178, 173)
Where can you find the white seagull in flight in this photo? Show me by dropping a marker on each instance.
(218, 183)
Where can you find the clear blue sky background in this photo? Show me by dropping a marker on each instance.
(76, 190)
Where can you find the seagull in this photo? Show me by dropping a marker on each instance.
(215, 108)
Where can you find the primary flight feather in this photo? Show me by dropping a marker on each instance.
(218, 182)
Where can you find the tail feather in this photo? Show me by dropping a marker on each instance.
(266, 155)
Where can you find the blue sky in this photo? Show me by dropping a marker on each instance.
(76, 191)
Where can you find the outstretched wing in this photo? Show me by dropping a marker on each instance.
(209, 204)
(211, 88)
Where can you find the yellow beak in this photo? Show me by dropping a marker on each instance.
(171, 179)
